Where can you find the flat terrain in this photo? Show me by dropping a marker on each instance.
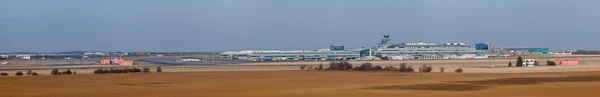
(306, 84)
(588, 63)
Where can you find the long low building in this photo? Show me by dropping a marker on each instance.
(531, 50)
(291, 55)
(422, 50)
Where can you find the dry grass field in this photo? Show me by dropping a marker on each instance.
(306, 84)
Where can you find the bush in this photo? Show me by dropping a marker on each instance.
(402, 67)
(364, 67)
(158, 69)
(68, 72)
(535, 63)
(509, 64)
(99, 71)
(34, 73)
(519, 62)
(390, 68)
(55, 72)
(3, 74)
(320, 67)
(442, 69)
(136, 70)
(377, 68)
(19, 73)
(551, 63)
(124, 70)
(339, 66)
(28, 72)
(459, 70)
(410, 69)
(146, 70)
(427, 68)
(302, 67)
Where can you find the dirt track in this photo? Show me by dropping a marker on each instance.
(305, 84)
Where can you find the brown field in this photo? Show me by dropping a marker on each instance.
(306, 84)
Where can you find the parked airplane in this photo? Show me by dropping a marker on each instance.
(189, 60)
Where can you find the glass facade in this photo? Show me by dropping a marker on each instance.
(367, 52)
(336, 47)
(483, 46)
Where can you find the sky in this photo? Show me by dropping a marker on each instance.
(228, 25)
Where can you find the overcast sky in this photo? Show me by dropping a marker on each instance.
(222, 25)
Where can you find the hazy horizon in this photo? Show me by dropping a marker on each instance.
(227, 25)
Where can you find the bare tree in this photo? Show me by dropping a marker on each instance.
(402, 67)
(302, 67)
(442, 69)
(158, 69)
(28, 72)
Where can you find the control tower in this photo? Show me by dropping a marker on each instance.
(385, 42)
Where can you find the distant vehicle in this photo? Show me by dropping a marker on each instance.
(529, 62)
(4, 63)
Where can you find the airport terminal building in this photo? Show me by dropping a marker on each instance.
(385, 49)
(422, 50)
(275, 55)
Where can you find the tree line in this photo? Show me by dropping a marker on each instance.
(346, 66)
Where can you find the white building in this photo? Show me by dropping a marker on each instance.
(24, 57)
(4, 56)
(422, 50)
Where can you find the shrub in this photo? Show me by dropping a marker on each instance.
(146, 70)
(551, 63)
(34, 73)
(136, 70)
(410, 69)
(68, 72)
(427, 69)
(302, 67)
(74, 72)
(390, 68)
(119, 70)
(509, 64)
(364, 67)
(459, 70)
(28, 72)
(377, 68)
(339, 66)
(55, 72)
(19, 73)
(442, 69)
(99, 71)
(535, 63)
(3, 74)
(158, 69)
(402, 67)
(320, 67)
(519, 62)
(124, 70)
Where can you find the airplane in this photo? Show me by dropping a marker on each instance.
(189, 60)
